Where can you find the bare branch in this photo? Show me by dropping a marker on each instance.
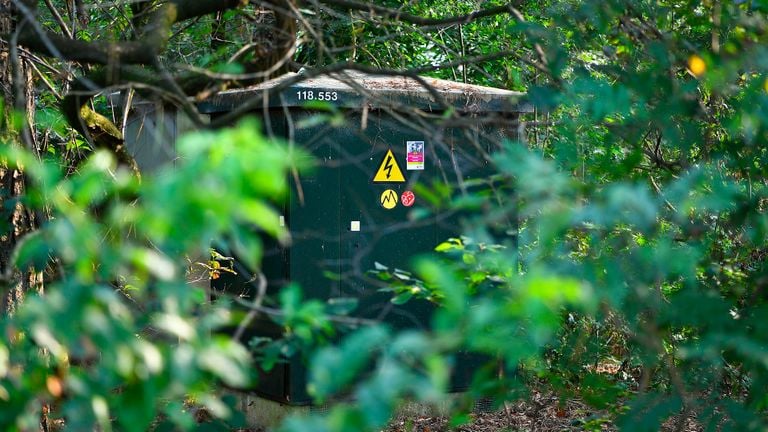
(254, 307)
(398, 15)
(154, 35)
(59, 20)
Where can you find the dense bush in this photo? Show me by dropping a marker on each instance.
(120, 339)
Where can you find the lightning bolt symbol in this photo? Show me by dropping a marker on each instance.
(388, 166)
(388, 197)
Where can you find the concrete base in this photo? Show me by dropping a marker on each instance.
(267, 415)
(414, 409)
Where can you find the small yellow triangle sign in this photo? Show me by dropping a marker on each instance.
(389, 171)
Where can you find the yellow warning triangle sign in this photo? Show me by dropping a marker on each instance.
(389, 171)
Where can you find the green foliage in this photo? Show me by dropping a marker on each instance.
(121, 334)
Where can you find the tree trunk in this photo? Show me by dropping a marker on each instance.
(15, 220)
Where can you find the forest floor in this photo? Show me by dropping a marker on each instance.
(541, 413)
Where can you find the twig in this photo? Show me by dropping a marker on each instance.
(45, 80)
(341, 319)
(254, 307)
(59, 20)
(126, 110)
(186, 105)
(398, 15)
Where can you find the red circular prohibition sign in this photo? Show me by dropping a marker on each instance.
(408, 198)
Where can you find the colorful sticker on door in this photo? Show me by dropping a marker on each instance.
(389, 171)
(407, 198)
(388, 199)
(414, 151)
